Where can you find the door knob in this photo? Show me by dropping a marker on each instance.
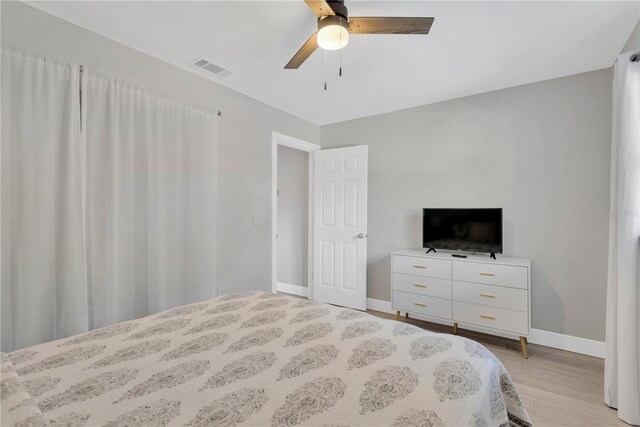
(361, 236)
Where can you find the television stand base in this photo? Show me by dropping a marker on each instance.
(431, 250)
(493, 255)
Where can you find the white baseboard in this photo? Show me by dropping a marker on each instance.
(287, 288)
(537, 336)
(379, 305)
(568, 343)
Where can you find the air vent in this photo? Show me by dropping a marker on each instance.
(210, 67)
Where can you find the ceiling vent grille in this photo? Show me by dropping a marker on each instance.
(210, 67)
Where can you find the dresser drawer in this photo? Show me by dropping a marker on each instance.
(422, 266)
(429, 286)
(419, 304)
(513, 321)
(494, 296)
(491, 274)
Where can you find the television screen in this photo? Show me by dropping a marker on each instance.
(474, 230)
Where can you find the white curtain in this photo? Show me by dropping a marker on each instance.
(622, 360)
(44, 282)
(150, 201)
(105, 217)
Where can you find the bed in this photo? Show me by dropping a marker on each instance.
(258, 359)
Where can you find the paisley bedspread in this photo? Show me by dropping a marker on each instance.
(258, 359)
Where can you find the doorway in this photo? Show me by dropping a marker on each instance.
(336, 221)
(292, 235)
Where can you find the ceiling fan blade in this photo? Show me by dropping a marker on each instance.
(303, 53)
(320, 7)
(390, 25)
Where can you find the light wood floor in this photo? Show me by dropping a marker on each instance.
(559, 388)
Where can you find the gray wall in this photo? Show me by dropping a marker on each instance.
(634, 40)
(244, 132)
(540, 151)
(293, 215)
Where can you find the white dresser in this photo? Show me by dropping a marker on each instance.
(494, 295)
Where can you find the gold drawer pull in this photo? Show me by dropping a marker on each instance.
(487, 274)
(487, 316)
(419, 304)
(420, 286)
(419, 266)
(487, 295)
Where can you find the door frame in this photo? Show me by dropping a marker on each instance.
(297, 144)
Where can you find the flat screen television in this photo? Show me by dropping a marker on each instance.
(473, 230)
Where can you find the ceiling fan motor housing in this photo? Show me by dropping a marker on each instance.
(341, 16)
(339, 8)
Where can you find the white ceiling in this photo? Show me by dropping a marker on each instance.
(473, 47)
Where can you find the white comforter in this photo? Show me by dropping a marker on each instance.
(259, 359)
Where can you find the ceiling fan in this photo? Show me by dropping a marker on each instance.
(334, 27)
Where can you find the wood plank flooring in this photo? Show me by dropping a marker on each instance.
(558, 388)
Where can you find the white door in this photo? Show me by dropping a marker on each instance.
(340, 227)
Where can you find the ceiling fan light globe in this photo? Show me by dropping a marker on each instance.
(333, 37)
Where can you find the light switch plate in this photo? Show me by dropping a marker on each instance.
(258, 218)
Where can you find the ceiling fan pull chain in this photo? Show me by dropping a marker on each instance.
(340, 53)
(325, 70)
